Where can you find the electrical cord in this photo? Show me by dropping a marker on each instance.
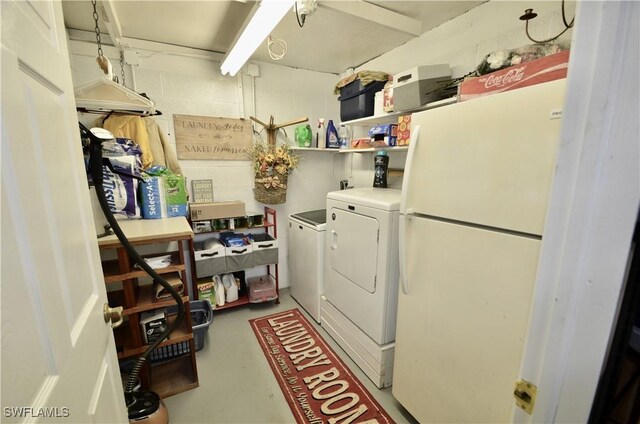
(95, 163)
(281, 43)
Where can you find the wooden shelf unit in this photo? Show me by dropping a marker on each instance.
(176, 374)
(127, 347)
(242, 300)
(112, 272)
(270, 227)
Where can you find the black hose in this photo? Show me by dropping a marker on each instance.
(95, 162)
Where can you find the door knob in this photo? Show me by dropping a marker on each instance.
(114, 315)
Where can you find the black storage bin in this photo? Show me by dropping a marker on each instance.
(357, 101)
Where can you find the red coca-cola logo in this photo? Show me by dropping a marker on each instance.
(513, 75)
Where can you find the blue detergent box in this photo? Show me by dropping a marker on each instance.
(388, 133)
(163, 197)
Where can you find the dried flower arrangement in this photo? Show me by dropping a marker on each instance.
(272, 165)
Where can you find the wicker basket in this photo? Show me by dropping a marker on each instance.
(265, 191)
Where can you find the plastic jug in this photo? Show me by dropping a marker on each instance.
(332, 136)
(230, 287)
(303, 135)
(381, 164)
(343, 135)
(219, 288)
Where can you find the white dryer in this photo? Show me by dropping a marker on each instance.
(359, 306)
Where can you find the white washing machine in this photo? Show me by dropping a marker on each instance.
(306, 259)
(359, 305)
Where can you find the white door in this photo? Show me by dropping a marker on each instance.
(462, 321)
(353, 248)
(58, 354)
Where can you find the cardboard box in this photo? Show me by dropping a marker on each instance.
(387, 99)
(366, 143)
(404, 130)
(537, 71)
(386, 133)
(153, 324)
(216, 210)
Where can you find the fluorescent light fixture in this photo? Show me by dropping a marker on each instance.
(269, 13)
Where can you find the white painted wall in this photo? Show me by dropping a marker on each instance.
(462, 43)
(181, 84)
(188, 84)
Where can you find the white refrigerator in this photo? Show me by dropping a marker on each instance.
(474, 202)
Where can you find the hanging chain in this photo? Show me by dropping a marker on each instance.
(122, 67)
(97, 29)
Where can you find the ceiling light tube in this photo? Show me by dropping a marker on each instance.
(269, 13)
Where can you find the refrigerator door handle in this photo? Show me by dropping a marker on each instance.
(406, 178)
(404, 283)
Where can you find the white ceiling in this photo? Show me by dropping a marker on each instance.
(339, 35)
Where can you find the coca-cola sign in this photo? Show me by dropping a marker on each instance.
(548, 68)
(512, 76)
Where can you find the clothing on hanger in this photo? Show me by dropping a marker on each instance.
(133, 127)
(162, 152)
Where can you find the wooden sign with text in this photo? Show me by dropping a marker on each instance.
(202, 191)
(208, 138)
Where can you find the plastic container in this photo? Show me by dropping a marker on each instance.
(320, 141)
(343, 136)
(381, 163)
(201, 319)
(303, 135)
(230, 288)
(165, 353)
(262, 289)
(333, 142)
(357, 101)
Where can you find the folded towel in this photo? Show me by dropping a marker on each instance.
(366, 77)
(157, 262)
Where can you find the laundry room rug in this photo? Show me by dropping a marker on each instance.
(316, 383)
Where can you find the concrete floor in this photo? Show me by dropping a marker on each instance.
(236, 383)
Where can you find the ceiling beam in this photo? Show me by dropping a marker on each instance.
(135, 44)
(112, 22)
(377, 15)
